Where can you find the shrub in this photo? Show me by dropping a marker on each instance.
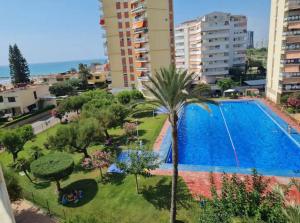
(244, 198)
(136, 95)
(12, 184)
(290, 110)
(124, 97)
(294, 100)
(284, 99)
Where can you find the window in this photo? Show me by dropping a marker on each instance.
(1, 99)
(128, 33)
(120, 25)
(119, 15)
(122, 52)
(11, 99)
(120, 34)
(127, 24)
(118, 5)
(125, 5)
(34, 94)
(124, 61)
(129, 51)
(97, 77)
(126, 15)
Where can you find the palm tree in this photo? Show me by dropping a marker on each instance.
(173, 90)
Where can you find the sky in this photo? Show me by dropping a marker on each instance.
(64, 30)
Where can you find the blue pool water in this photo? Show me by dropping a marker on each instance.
(237, 136)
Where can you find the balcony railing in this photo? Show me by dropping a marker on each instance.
(289, 75)
(291, 47)
(292, 33)
(142, 59)
(293, 18)
(141, 40)
(290, 61)
(139, 8)
(142, 50)
(292, 4)
(289, 87)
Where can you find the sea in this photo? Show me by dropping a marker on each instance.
(39, 69)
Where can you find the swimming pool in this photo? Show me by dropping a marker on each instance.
(236, 137)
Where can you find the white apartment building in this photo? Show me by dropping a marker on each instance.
(210, 45)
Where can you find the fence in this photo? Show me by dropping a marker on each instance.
(41, 126)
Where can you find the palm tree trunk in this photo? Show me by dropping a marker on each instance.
(136, 183)
(174, 119)
(101, 174)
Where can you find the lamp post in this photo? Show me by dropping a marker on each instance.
(137, 128)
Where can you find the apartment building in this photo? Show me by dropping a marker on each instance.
(139, 40)
(210, 45)
(6, 213)
(283, 76)
(99, 74)
(20, 100)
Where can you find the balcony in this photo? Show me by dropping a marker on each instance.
(292, 5)
(291, 33)
(141, 30)
(215, 35)
(140, 40)
(141, 50)
(142, 59)
(289, 87)
(215, 65)
(292, 55)
(291, 69)
(292, 18)
(291, 61)
(289, 47)
(138, 9)
(215, 73)
(290, 75)
(138, 25)
(142, 69)
(210, 27)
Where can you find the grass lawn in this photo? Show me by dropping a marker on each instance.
(116, 200)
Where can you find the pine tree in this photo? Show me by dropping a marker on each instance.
(19, 70)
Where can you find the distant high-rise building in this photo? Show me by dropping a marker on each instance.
(139, 40)
(283, 73)
(210, 45)
(250, 39)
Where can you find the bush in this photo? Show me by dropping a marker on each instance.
(124, 97)
(12, 184)
(284, 99)
(244, 198)
(291, 110)
(136, 95)
(294, 100)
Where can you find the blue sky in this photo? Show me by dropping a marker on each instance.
(62, 30)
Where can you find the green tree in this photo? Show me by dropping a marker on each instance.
(61, 89)
(226, 84)
(23, 164)
(84, 75)
(36, 152)
(140, 163)
(19, 70)
(53, 167)
(12, 142)
(172, 89)
(108, 114)
(77, 136)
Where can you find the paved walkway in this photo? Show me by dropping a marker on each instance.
(26, 212)
(161, 136)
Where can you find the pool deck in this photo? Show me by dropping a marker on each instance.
(199, 182)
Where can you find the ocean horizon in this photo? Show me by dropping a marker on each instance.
(40, 69)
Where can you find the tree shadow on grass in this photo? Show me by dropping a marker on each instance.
(89, 187)
(143, 114)
(114, 178)
(160, 194)
(41, 185)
